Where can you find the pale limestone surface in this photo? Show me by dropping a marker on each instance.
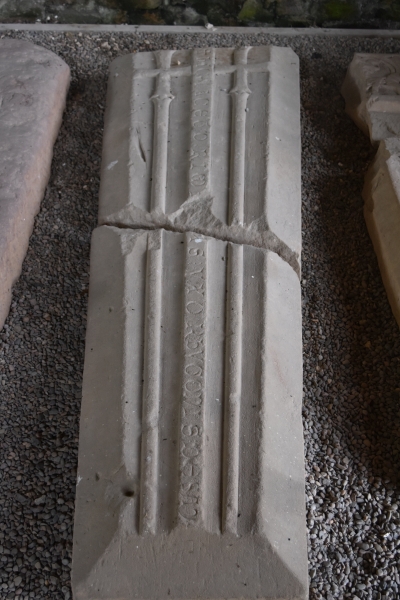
(191, 476)
(371, 90)
(382, 214)
(206, 140)
(33, 88)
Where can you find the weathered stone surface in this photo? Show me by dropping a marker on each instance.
(371, 90)
(382, 214)
(206, 140)
(190, 478)
(33, 87)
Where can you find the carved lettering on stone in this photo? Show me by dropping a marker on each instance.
(191, 475)
(193, 382)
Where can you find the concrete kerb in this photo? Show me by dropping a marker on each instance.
(210, 30)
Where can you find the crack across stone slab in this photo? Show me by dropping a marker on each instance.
(251, 201)
(266, 240)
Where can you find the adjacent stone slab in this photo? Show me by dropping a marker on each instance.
(382, 214)
(372, 93)
(33, 87)
(206, 140)
(191, 478)
(371, 90)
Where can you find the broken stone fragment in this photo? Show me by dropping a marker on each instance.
(191, 476)
(371, 90)
(206, 140)
(33, 88)
(382, 214)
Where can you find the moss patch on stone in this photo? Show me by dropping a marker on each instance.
(340, 11)
(252, 10)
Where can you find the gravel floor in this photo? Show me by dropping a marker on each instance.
(351, 340)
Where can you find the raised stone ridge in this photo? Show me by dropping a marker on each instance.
(33, 88)
(191, 476)
(206, 140)
(371, 90)
(382, 214)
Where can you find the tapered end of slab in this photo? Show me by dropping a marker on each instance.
(191, 475)
(371, 90)
(33, 88)
(382, 214)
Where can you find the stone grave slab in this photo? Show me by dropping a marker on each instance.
(33, 88)
(382, 214)
(371, 90)
(191, 477)
(205, 140)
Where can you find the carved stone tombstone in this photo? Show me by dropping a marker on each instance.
(191, 476)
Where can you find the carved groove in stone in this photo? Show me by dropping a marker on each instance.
(162, 99)
(233, 389)
(240, 93)
(151, 387)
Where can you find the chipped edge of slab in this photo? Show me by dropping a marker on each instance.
(381, 194)
(354, 100)
(375, 111)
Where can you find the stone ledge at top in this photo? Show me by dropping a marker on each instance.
(33, 87)
(382, 214)
(191, 469)
(371, 90)
(206, 140)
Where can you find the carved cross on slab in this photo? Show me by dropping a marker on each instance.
(191, 476)
(191, 138)
(203, 70)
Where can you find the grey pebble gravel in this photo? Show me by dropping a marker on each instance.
(351, 340)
